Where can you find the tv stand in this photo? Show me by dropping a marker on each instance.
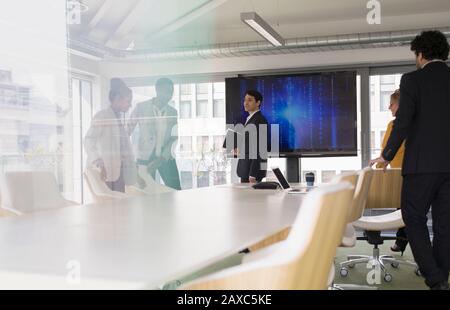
(293, 169)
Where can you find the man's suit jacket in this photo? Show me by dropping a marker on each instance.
(154, 130)
(102, 141)
(253, 167)
(423, 119)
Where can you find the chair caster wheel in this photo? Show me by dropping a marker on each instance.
(344, 272)
(387, 278)
(417, 272)
(395, 265)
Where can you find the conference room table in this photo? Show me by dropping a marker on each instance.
(139, 242)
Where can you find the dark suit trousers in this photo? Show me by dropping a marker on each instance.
(168, 171)
(419, 192)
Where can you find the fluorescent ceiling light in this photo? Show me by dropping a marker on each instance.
(262, 28)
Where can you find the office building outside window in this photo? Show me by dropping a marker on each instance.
(220, 177)
(185, 89)
(185, 144)
(36, 115)
(194, 153)
(202, 89)
(186, 179)
(185, 109)
(202, 179)
(219, 108)
(202, 145)
(202, 108)
(385, 100)
(218, 88)
(218, 143)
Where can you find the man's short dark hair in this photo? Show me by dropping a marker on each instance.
(163, 82)
(432, 44)
(255, 94)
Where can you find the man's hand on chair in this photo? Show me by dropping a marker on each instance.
(380, 161)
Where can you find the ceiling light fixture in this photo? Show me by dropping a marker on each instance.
(262, 28)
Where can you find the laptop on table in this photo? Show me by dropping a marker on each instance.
(286, 186)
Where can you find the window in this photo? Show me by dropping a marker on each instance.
(388, 80)
(382, 133)
(185, 144)
(385, 100)
(202, 89)
(186, 179)
(328, 175)
(82, 116)
(185, 89)
(143, 93)
(218, 143)
(382, 86)
(185, 109)
(219, 108)
(202, 145)
(219, 88)
(202, 108)
(372, 140)
(200, 133)
(35, 102)
(220, 177)
(203, 179)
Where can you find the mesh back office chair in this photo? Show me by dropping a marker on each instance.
(361, 180)
(362, 186)
(384, 192)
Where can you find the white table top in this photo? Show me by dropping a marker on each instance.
(137, 242)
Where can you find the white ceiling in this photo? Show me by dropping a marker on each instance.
(185, 23)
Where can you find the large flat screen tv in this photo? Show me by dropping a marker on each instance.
(316, 112)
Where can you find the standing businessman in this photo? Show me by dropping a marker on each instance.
(158, 134)
(251, 165)
(423, 119)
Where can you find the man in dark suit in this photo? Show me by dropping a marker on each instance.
(423, 119)
(252, 164)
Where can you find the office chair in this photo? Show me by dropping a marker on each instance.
(302, 261)
(4, 212)
(99, 190)
(384, 192)
(362, 181)
(31, 191)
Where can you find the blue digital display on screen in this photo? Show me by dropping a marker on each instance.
(316, 113)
